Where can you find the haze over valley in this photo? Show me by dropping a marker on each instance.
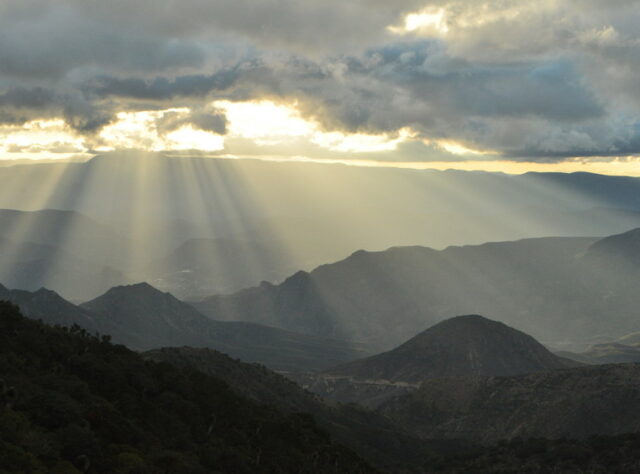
(319, 237)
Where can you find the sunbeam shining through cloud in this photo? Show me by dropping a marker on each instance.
(319, 236)
(450, 81)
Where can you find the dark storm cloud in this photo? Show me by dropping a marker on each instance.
(48, 55)
(19, 105)
(539, 81)
(161, 88)
(550, 90)
(22, 98)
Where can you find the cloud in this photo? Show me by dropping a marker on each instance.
(215, 122)
(539, 81)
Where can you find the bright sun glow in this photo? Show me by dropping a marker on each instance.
(456, 148)
(268, 123)
(39, 139)
(140, 130)
(261, 122)
(358, 142)
(426, 20)
(188, 138)
(264, 121)
(132, 130)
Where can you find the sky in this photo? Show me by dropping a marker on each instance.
(502, 85)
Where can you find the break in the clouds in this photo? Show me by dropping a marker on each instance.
(402, 80)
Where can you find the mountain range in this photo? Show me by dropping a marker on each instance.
(374, 368)
(552, 288)
(460, 393)
(201, 226)
(142, 318)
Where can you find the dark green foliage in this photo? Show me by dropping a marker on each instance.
(374, 437)
(596, 455)
(81, 404)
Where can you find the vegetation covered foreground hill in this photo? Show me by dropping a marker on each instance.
(72, 403)
(398, 452)
(569, 403)
(374, 437)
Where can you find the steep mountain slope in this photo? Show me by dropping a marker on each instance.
(532, 284)
(70, 402)
(460, 346)
(149, 318)
(367, 433)
(569, 403)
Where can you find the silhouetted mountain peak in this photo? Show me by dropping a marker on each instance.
(460, 346)
(44, 295)
(464, 331)
(142, 289)
(159, 317)
(298, 279)
(44, 291)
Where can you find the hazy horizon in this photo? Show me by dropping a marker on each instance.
(319, 236)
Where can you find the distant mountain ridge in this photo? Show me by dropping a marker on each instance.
(415, 287)
(143, 318)
(548, 287)
(52, 309)
(132, 211)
